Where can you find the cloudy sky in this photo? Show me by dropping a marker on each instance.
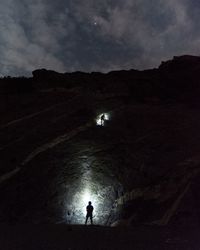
(95, 35)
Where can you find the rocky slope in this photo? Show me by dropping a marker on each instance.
(141, 167)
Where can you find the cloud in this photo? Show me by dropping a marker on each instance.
(158, 29)
(30, 38)
(99, 35)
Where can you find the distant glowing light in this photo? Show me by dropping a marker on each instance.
(100, 120)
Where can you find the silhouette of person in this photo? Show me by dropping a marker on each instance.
(68, 217)
(89, 210)
(102, 119)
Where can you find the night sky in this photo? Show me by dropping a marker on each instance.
(95, 35)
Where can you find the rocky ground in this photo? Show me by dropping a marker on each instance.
(62, 237)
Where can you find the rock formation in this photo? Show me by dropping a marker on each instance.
(142, 167)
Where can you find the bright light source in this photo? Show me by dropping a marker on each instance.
(101, 197)
(100, 120)
(80, 202)
(86, 196)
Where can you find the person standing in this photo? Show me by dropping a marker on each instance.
(89, 210)
(102, 119)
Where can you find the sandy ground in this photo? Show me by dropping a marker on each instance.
(71, 237)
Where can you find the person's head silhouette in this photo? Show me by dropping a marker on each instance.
(89, 202)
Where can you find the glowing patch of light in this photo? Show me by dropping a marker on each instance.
(86, 196)
(100, 121)
(75, 210)
(80, 202)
